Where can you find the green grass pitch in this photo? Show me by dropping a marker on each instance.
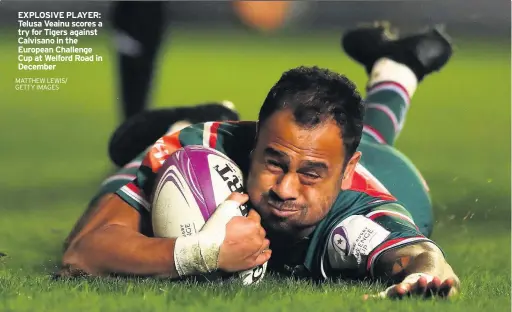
(54, 156)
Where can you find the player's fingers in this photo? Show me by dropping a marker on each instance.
(446, 287)
(254, 215)
(265, 245)
(433, 287)
(263, 248)
(391, 292)
(399, 291)
(263, 257)
(262, 232)
(420, 287)
(238, 197)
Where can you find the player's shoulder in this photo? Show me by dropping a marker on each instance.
(366, 183)
(360, 202)
(365, 193)
(234, 139)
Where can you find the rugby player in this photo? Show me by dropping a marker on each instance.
(331, 196)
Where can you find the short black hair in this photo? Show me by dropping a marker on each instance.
(316, 95)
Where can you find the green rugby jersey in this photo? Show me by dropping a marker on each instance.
(364, 221)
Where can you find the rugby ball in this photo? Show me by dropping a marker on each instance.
(189, 186)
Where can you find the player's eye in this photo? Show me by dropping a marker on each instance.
(273, 165)
(311, 175)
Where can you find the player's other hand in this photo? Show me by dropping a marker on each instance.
(245, 245)
(423, 286)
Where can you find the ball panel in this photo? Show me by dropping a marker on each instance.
(198, 164)
(185, 174)
(178, 207)
(171, 222)
(181, 159)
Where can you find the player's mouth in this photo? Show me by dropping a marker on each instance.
(280, 212)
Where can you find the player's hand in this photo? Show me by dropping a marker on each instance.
(424, 287)
(245, 245)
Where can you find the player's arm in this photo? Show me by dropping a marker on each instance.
(406, 258)
(419, 268)
(111, 243)
(385, 244)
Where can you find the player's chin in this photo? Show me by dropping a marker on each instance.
(277, 226)
(279, 222)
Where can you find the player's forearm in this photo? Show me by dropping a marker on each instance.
(424, 258)
(116, 249)
(429, 262)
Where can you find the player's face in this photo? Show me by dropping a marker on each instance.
(295, 174)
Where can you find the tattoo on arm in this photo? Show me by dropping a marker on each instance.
(400, 265)
(394, 265)
(394, 270)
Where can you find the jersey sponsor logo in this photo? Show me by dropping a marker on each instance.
(160, 151)
(352, 240)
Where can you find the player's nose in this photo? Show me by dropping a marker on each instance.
(287, 188)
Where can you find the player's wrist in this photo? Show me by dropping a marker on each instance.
(196, 254)
(199, 253)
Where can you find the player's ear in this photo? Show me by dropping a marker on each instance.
(349, 170)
